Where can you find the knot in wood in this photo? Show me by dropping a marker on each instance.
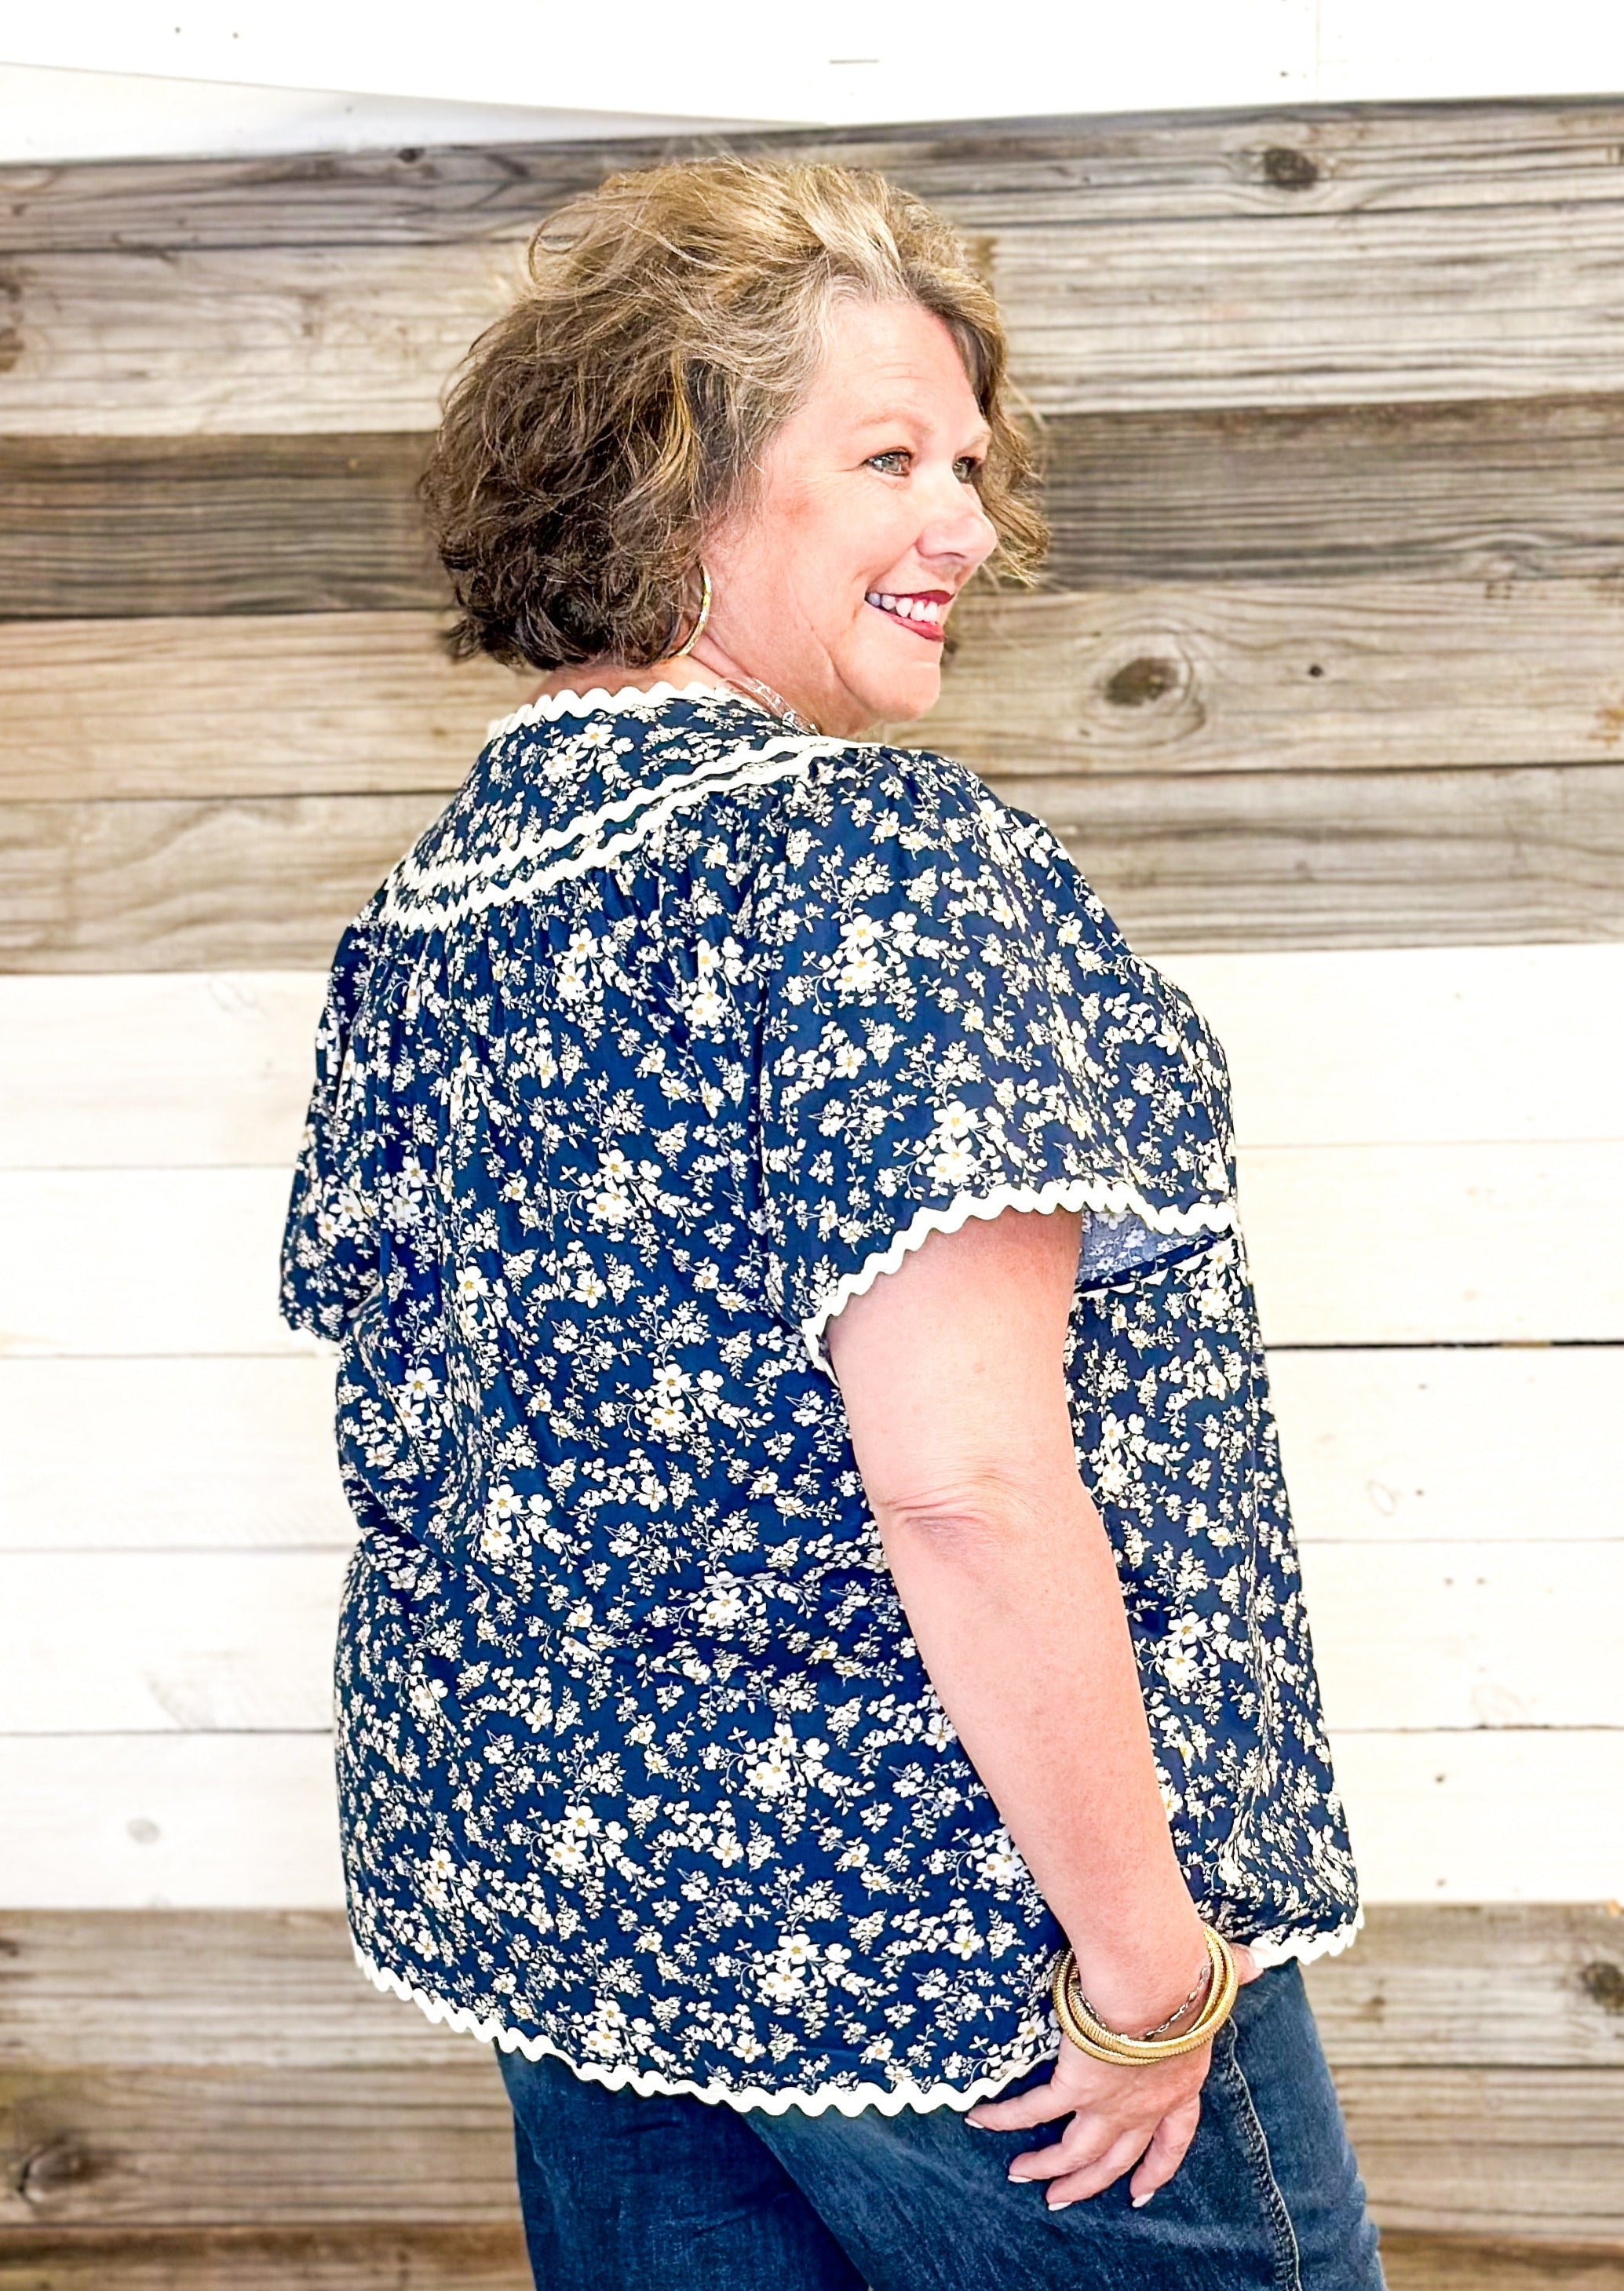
(1602, 1983)
(1287, 170)
(56, 2164)
(1141, 681)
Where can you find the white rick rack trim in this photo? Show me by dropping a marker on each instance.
(848, 2100)
(1270, 1950)
(471, 885)
(1105, 1196)
(553, 706)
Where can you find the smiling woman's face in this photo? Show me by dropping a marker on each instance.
(833, 587)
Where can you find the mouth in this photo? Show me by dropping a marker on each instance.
(922, 612)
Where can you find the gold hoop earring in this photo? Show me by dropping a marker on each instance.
(698, 629)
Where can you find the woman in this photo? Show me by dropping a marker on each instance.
(823, 1547)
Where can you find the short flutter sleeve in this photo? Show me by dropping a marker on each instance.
(951, 1025)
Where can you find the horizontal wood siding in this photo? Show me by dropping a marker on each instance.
(172, 2073)
(1322, 688)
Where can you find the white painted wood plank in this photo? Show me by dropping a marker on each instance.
(1352, 1245)
(121, 1261)
(1498, 1634)
(1462, 1634)
(1493, 1816)
(108, 1455)
(152, 1821)
(128, 1068)
(1417, 1244)
(1383, 1046)
(1474, 1445)
(153, 1642)
(1414, 1045)
(247, 1820)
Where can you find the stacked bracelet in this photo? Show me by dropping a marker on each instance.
(1078, 2022)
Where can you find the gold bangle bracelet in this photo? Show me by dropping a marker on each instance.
(1090, 2035)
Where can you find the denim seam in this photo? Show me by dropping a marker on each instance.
(1288, 2258)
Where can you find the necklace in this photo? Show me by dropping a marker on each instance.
(774, 702)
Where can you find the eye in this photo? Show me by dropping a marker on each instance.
(893, 464)
(968, 468)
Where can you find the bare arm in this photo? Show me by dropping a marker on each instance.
(951, 1371)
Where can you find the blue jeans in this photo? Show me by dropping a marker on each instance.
(625, 2194)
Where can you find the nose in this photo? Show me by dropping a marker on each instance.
(959, 532)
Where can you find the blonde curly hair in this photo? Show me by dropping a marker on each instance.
(674, 320)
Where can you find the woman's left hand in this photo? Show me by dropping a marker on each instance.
(1120, 2117)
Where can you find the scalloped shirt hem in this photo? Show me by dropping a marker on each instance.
(847, 2099)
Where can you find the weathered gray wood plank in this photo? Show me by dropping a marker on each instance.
(171, 2069)
(259, 2147)
(1230, 677)
(1425, 2262)
(1487, 491)
(174, 886)
(1275, 161)
(470, 2256)
(1248, 675)
(305, 703)
(1204, 862)
(249, 1989)
(97, 527)
(1198, 261)
(92, 527)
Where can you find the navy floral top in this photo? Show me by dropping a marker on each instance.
(669, 1035)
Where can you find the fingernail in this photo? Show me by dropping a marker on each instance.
(1140, 2202)
(1064, 2205)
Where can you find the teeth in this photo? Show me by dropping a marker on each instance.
(906, 608)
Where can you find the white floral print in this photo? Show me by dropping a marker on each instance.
(669, 1035)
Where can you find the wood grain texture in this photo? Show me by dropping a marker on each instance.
(467, 2257)
(247, 1820)
(1200, 262)
(1488, 491)
(1244, 860)
(1422, 1637)
(325, 2103)
(287, 704)
(1282, 161)
(198, 1455)
(1426, 2263)
(470, 2256)
(277, 1988)
(1243, 676)
(1493, 490)
(1507, 2152)
(260, 2148)
(113, 343)
(106, 527)
(1236, 677)
(195, 886)
(1379, 1046)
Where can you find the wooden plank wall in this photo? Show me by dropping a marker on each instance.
(1324, 690)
